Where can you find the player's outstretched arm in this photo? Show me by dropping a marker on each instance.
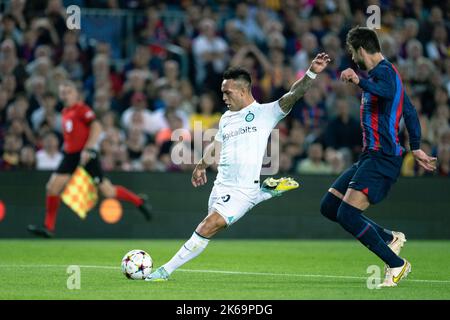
(299, 88)
(210, 156)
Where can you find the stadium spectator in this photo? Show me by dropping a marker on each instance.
(172, 103)
(144, 60)
(36, 88)
(11, 152)
(10, 30)
(188, 97)
(16, 9)
(139, 116)
(252, 59)
(46, 109)
(3, 106)
(11, 66)
(343, 131)
(336, 160)
(149, 159)
(102, 102)
(444, 162)
(246, 22)
(100, 78)
(71, 62)
(439, 122)
(210, 55)
(49, 157)
(153, 30)
(206, 116)
(307, 52)
(314, 164)
(136, 80)
(171, 78)
(27, 159)
(312, 113)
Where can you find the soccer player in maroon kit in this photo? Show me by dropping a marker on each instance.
(81, 132)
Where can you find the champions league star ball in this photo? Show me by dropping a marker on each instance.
(137, 264)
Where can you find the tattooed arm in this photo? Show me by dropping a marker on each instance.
(299, 88)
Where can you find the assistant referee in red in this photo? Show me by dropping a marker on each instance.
(81, 132)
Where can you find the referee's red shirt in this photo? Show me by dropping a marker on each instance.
(76, 121)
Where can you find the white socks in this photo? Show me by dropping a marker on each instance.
(192, 248)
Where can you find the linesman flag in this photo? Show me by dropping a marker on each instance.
(80, 194)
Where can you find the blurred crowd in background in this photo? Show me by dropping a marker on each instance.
(141, 98)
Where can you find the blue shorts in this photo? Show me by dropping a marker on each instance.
(373, 174)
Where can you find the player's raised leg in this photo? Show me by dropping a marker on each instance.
(121, 193)
(209, 227)
(54, 187)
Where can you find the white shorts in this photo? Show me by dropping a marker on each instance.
(233, 203)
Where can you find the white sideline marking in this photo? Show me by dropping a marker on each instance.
(220, 272)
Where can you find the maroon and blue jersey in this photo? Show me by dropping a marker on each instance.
(383, 103)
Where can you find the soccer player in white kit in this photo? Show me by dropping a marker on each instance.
(241, 141)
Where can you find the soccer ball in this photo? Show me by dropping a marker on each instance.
(137, 264)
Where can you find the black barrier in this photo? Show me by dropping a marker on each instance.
(420, 207)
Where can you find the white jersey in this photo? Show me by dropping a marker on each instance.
(244, 135)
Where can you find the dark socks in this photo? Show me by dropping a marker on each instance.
(329, 208)
(351, 219)
(385, 234)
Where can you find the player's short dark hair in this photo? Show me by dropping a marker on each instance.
(363, 37)
(238, 73)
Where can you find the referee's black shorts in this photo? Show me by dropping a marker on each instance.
(70, 162)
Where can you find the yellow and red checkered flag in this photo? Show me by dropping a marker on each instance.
(80, 193)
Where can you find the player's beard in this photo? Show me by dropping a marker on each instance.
(360, 63)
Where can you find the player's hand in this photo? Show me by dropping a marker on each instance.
(86, 155)
(320, 62)
(198, 177)
(349, 75)
(424, 160)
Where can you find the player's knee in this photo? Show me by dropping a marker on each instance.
(210, 226)
(108, 190)
(107, 193)
(207, 228)
(52, 188)
(329, 206)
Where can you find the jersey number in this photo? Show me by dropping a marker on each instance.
(68, 126)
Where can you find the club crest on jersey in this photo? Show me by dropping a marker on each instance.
(249, 117)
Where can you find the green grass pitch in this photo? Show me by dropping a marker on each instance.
(228, 269)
